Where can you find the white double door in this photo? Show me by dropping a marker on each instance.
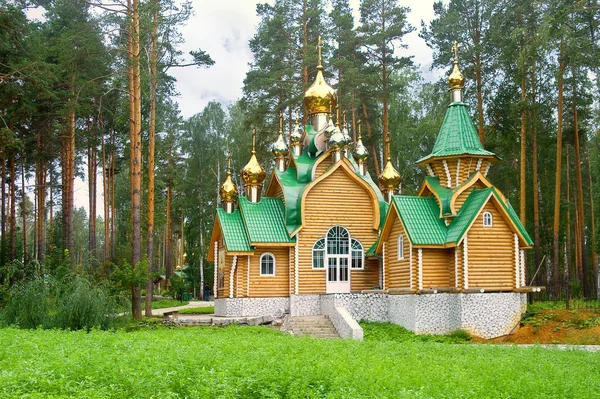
(338, 274)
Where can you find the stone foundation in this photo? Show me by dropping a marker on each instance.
(252, 306)
(486, 315)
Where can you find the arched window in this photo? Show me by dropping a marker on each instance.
(267, 264)
(318, 254)
(357, 255)
(338, 241)
(400, 246)
(487, 219)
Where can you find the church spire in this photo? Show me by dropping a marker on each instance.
(253, 174)
(280, 148)
(456, 81)
(228, 190)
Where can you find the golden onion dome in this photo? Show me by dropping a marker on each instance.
(337, 141)
(320, 97)
(279, 148)
(456, 80)
(389, 179)
(360, 151)
(296, 135)
(347, 138)
(253, 174)
(228, 190)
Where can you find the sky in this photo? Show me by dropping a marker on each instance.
(223, 29)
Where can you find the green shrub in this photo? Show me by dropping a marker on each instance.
(73, 303)
(392, 332)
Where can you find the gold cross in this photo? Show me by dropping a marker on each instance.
(253, 140)
(455, 48)
(228, 161)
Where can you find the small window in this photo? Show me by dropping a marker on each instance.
(400, 246)
(357, 255)
(267, 264)
(319, 254)
(487, 219)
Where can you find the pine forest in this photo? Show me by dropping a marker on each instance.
(89, 93)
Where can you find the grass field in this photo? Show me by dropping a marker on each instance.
(198, 310)
(255, 362)
(167, 303)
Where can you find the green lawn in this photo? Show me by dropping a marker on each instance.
(167, 303)
(255, 362)
(198, 310)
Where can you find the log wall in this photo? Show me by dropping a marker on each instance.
(491, 252)
(397, 271)
(438, 266)
(337, 200)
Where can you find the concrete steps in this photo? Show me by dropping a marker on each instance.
(315, 326)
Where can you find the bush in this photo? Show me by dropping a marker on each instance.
(73, 303)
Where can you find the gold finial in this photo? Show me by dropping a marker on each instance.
(456, 81)
(297, 113)
(281, 121)
(228, 190)
(337, 115)
(253, 174)
(455, 48)
(345, 121)
(359, 129)
(319, 45)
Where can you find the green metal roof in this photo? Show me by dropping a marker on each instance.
(457, 135)
(264, 220)
(469, 211)
(516, 220)
(444, 193)
(421, 219)
(234, 232)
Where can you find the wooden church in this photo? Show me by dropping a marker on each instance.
(326, 237)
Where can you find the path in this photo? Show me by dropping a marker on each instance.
(192, 304)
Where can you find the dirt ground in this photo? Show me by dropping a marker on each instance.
(555, 326)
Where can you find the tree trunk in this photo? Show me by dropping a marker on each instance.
(580, 211)
(478, 79)
(151, 131)
(92, 176)
(69, 180)
(557, 183)
(13, 218)
(384, 91)
(304, 54)
(40, 183)
(593, 232)
(523, 160)
(24, 210)
(168, 232)
(105, 200)
(135, 154)
(535, 178)
(369, 133)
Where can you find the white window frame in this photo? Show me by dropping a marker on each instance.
(485, 216)
(327, 255)
(400, 246)
(323, 250)
(362, 254)
(260, 263)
